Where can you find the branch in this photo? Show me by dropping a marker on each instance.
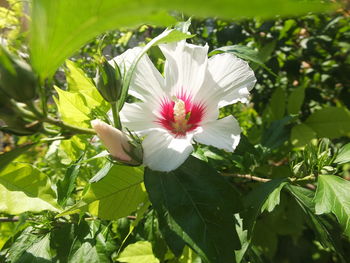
(9, 219)
(248, 176)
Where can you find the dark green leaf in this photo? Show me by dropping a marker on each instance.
(277, 133)
(324, 233)
(202, 204)
(296, 100)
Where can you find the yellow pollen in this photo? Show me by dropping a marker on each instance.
(179, 109)
(180, 125)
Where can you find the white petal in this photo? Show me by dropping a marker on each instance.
(138, 116)
(233, 77)
(222, 134)
(164, 152)
(114, 140)
(147, 83)
(185, 67)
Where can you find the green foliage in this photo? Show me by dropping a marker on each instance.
(139, 252)
(24, 188)
(122, 187)
(282, 196)
(332, 195)
(330, 122)
(195, 217)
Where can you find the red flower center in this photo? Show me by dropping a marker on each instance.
(180, 114)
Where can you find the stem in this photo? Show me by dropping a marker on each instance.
(115, 113)
(31, 105)
(9, 219)
(59, 123)
(265, 180)
(69, 127)
(248, 176)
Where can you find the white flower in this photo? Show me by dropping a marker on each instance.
(183, 106)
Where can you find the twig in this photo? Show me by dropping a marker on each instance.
(9, 219)
(248, 176)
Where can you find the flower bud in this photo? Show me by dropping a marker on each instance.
(17, 79)
(120, 146)
(109, 81)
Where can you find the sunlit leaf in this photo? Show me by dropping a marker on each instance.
(24, 188)
(332, 196)
(118, 194)
(139, 252)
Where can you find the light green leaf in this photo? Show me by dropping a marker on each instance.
(59, 28)
(301, 135)
(333, 195)
(8, 157)
(24, 188)
(139, 252)
(331, 122)
(72, 108)
(77, 80)
(295, 100)
(344, 155)
(116, 195)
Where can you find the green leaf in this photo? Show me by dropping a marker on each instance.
(59, 28)
(296, 100)
(139, 252)
(301, 135)
(277, 133)
(343, 155)
(24, 188)
(8, 157)
(202, 205)
(30, 248)
(78, 81)
(245, 53)
(331, 122)
(122, 187)
(276, 108)
(73, 108)
(82, 242)
(332, 196)
(90, 243)
(264, 197)
(325, 233)
(65, 187)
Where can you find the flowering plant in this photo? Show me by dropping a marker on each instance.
(183, 106)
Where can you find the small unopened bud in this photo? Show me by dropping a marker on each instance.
(121, 147)
(17, 79)
(109, 81)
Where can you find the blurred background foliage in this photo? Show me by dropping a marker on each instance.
(296, 128)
